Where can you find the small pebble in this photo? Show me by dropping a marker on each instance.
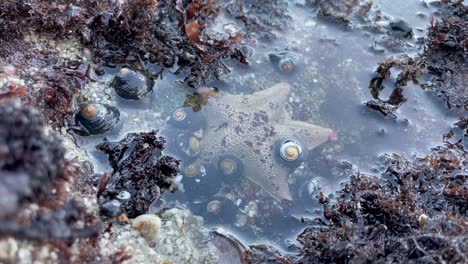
(148, 225)
(423, 219)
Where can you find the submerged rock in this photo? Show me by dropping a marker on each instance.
(348, 12)
(230, 249)
(401, 26)
(265, 20)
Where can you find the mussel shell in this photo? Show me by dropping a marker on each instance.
(289, 163)
(97, 118)
(229, 248)
(286, 61)
(132, 85)
(186, 118)
(230, 167)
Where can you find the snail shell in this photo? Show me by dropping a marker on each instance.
(200, 180)
(186, 118)
(230, 167)
(221, 210)
(290, 151)
(286, 61)
(184, 145)
(132, 85)
(97, 118)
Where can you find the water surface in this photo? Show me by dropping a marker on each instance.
(329, 87)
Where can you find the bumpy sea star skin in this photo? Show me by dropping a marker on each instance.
(247, 127)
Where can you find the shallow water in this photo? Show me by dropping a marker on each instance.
(329, 87)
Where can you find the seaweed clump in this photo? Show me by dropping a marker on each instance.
(416, 212)
(443, 62)
(410, 68)
(446, 55)
(140, 169)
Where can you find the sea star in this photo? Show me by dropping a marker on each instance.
(247, 127)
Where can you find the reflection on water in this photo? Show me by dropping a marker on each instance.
(235, 153)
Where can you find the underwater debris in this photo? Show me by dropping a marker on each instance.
(382, 108)
(140, 169)
(379, 219)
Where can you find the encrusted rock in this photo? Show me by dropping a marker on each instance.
(148, 225)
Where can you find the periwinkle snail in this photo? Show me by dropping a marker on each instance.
(132, 85)
(286, 61)
(290, 151)
(96, 118)
(186, 118)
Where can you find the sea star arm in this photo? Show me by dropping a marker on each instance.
(311, 135)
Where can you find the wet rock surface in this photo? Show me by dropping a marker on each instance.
(182, 238)
(39, 206)
(27, 153)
